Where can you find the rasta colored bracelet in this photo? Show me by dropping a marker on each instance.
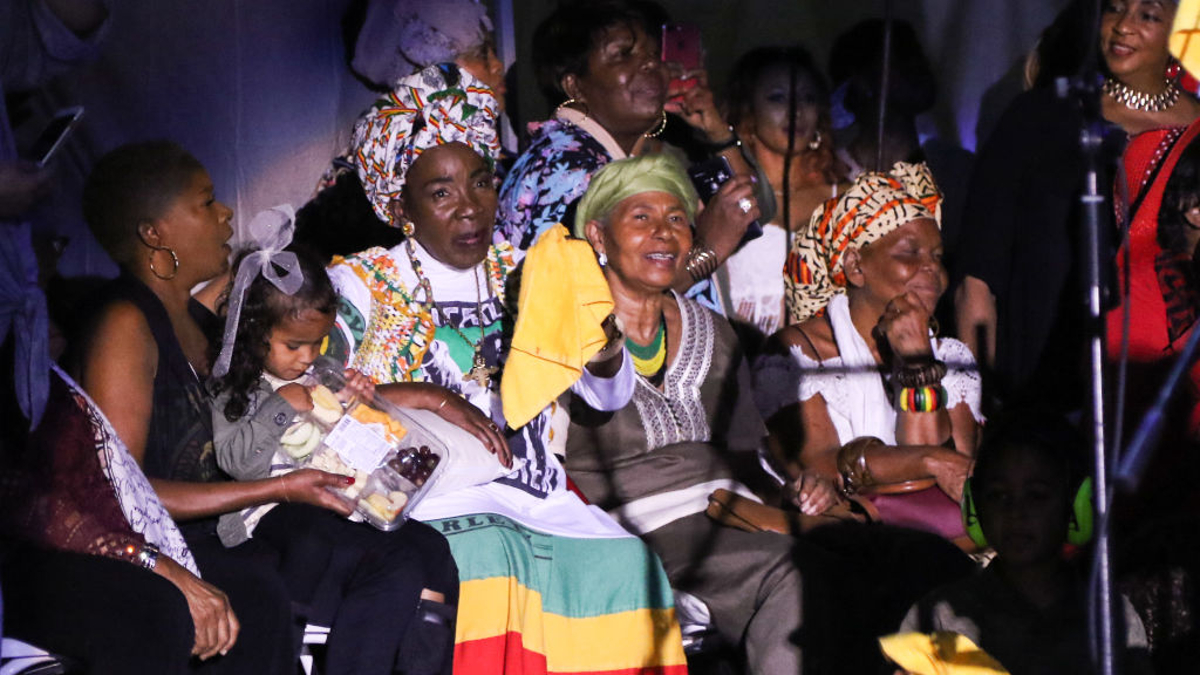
(921, 399)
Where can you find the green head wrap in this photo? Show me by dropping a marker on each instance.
(624, 178)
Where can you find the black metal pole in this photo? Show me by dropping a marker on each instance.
(885, 76)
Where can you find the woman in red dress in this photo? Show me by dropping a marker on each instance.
(1141, 96)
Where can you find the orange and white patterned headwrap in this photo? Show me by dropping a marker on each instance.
(875, 205)
(438, 105)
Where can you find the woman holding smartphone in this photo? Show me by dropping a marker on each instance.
(603, 62)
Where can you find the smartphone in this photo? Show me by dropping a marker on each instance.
(681, 46)
(708, 177)
(51, 139)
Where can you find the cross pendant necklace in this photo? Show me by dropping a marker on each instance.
(480, 372)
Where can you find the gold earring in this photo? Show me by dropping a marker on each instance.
(567, 104)
(815, 143)
(174, 262)
(408, 228)
(934, 326)
(662, 124)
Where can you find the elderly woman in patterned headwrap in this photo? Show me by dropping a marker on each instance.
(398, 38)
(429, 312)
(861, 389)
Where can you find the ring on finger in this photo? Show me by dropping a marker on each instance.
(745, 204)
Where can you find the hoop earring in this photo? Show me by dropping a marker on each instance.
(567, 104)
(934, 326)
(815, 143)
(408, 228)
(662, 124)
(174, 262)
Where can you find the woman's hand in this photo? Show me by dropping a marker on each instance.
(216, 625)
(697, 107)
(452, 408)
(722, 223)
(309, 486)
(950, 469)
(606, 362)
(457, 411)
(811, 493)
(297, 396)
(357, 386)
(905, 327)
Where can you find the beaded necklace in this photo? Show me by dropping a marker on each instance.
(481, 373)
(650, 361)
(1137, 100)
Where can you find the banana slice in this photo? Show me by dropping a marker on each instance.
(327, 409)
(302, 451)
(298, 433)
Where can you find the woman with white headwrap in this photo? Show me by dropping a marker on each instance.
(397, 39)
(429, 312)
(861, 392)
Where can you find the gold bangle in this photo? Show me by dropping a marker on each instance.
(852, 464)
(702, 261)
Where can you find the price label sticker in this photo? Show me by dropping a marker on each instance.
(358, 444)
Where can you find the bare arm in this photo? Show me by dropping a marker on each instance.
(120, 361)
(722, 223)
(819, 448)
(976, 309)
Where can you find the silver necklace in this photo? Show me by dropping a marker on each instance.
(1136, 100)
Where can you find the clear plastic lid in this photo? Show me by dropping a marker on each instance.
(391, 455)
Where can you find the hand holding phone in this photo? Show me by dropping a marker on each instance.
(708, 177)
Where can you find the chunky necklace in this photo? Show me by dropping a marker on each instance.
(480, 373)
(1137, 100)
(650, 360)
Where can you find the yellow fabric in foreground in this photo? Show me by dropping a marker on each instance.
(564, 299)
(941, 653)
(1185, 35)
(580, 644)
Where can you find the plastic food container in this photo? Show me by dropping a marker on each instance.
(391, 455)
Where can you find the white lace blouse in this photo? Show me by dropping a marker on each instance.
(855, 394)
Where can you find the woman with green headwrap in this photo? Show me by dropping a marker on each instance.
(691, 427)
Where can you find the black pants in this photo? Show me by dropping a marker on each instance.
(114, 617)
(363, 583)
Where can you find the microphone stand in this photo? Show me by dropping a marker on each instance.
(1086, 90)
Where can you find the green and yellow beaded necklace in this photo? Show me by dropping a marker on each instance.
(650, 361)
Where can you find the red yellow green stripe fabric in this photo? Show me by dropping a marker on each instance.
(531, 603)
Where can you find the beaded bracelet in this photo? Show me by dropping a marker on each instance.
(921, 399)
(923, 373)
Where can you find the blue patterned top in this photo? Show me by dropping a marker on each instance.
(547, 182)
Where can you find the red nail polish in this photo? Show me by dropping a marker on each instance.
(349, 480)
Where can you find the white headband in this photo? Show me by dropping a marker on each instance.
(271, 231)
